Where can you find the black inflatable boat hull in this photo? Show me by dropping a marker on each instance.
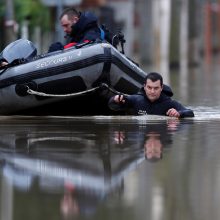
(69, 71)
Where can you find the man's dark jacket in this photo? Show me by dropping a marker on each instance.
(86, 28)
(139, 104)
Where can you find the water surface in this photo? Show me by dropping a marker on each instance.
(109, 167)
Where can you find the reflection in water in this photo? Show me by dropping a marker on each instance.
(101, 167)
(69, 205)
(84, 161)
(158, 137)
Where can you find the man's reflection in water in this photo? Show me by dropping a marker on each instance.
(119, 137)
(153, 147)
(157, 137)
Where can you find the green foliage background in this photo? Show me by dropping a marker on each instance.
(34, 11)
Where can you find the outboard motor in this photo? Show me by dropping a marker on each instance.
(19, 49)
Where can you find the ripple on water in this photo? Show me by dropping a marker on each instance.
(206, 113)
(202, 113)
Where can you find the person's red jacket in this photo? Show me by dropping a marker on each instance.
(74, 44)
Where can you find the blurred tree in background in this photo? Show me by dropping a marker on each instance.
(34, 11)
(22, 18)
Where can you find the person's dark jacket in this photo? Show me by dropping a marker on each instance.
(85, 30)
(140, 105)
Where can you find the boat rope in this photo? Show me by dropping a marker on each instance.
(106, 86)
(33, 92)
(102, 86)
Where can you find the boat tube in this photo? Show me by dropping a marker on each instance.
(75, 81)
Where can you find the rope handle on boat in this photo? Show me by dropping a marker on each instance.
(102, 86)
(33, 92)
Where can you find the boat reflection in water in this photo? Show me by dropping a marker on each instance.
(82, 161)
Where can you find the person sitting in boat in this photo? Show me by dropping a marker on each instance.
(79, 28)
(150, 100)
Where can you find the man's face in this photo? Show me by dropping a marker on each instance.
(67, 23)
(153, 89)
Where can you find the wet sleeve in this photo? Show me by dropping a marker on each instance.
(184, 112)
(119, 106)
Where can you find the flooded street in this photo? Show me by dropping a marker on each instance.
(121, 167)
(108, 167)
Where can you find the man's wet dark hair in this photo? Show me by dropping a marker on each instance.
(70, 12)
(153, 76)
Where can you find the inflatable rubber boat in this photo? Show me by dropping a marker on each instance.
(75, 81)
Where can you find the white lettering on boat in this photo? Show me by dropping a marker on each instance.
(57, 61)
(53, 62)
(70, 57)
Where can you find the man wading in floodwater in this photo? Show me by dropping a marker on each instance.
(150, 100)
